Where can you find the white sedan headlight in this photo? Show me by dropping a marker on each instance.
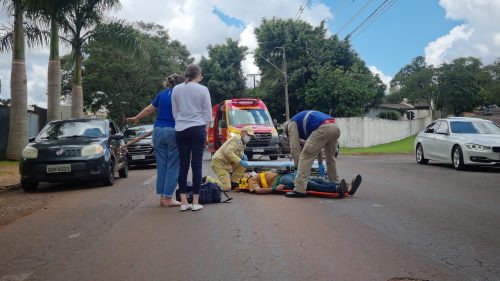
(92, 149)
(274, 133)
(477, 147)
(30, 152)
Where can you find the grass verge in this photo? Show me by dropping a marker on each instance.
(401, 146)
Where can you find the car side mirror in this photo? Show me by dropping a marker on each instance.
(32, 139)
(118, 136)
(443, 132)
(222, 124)
(430, 131)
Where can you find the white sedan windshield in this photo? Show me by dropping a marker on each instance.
(467, 127)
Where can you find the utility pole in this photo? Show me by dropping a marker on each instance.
(287, 107)
(253, 75)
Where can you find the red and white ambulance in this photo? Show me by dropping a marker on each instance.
(230, 116)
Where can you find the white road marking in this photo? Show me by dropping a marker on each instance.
(74, 235)
(377, 205)
(150, 180)
(16, 277)
(327, 201)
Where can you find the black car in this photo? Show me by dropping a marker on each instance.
(141, 152)
(74, 150)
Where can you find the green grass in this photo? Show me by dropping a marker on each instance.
(400, 146)
(8, 163)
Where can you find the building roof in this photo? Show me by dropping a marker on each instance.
(398, 106)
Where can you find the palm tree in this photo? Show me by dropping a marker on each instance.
(13, 40)
(82, 23)
(51, 12)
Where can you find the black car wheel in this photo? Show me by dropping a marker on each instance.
(109, 180)
(29, 186)
(123, 172)
(419, 155)
(457, 158)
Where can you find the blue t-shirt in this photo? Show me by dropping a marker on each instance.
(163, 103)
(314, 119)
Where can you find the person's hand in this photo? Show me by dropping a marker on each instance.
(280, 187)
(132, 120)
(321, 170)
(244, 157)
(244, 163)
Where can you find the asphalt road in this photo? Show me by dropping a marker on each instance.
(407, 220)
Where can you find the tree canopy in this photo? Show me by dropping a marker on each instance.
(123, 83)
(222, 72)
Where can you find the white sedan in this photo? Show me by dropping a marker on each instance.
(460, 141)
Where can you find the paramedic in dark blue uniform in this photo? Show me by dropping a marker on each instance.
(319, 131)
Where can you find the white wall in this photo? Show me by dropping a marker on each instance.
(366, 131)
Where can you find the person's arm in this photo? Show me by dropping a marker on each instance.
(293, 137)
(175, 104)
(207, 108)
(138, 138)
(148, 110)
(229, 151)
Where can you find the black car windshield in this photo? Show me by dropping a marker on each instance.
(474, 127)
(72, 129)
(249, 116)
(134, 132)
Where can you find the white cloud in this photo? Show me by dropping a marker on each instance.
(477, 37)
(385, 78)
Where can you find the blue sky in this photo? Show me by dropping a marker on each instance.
(439, 30)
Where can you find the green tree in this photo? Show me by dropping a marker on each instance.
(84, 22)
(417, 81)
(52, 12)
(14, 40)
(312, 59)
(222, 72)
(492, 83)
(459, 85)
(125, 84)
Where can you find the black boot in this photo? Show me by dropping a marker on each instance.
(342, 188)
(234, 185)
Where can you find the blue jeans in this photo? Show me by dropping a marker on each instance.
(167, 160)
(191, 143)
(315, 184)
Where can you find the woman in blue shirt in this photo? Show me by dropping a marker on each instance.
(164, 142)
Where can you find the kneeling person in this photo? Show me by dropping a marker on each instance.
(229, 161)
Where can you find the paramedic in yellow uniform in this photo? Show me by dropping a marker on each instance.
(229, 161)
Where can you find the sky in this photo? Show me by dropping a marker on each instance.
(399, 31)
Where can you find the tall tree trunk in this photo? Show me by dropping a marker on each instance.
(77, 91)
(54, 74)
(18, 124)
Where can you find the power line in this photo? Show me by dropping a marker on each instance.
(381, 9)
(355, 16)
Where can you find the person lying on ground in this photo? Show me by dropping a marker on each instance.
(269, 182)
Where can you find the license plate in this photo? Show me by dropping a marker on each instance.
(258, 150)
(138, 157)
(63, 168)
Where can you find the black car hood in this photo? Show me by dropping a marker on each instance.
(76, 141)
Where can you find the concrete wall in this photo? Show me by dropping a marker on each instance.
(366, 131)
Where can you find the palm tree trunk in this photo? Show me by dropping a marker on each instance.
(18, 124)
(54, 74)
(77, 91)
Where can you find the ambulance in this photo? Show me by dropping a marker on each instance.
(230, 116)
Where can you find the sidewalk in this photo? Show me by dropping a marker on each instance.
(9, 177)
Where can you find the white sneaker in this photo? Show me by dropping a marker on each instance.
(196, 207)
(185, 207)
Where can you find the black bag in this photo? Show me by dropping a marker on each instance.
(209, 193)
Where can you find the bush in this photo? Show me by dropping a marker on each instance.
(391, 115)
